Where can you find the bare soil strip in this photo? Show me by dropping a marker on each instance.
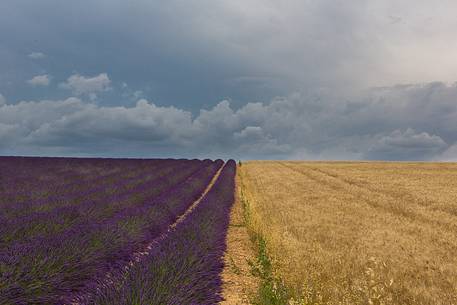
(239, 285)
(140, 255)
(197, 202)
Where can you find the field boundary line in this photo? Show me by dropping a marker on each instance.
(270, 285)
(239, 284)
(111, 279)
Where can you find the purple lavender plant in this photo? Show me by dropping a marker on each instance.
(185, 267)
(73, 246)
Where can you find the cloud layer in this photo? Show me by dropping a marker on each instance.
(415, 122)
(81, 85)
(40, 80)
(36, 55)
(297, 79)
(191, 54)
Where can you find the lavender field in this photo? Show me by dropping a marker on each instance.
(113, 231)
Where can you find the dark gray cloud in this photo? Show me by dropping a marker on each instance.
(190, 54)
(299, 79)
(406, 145)
(415, 122)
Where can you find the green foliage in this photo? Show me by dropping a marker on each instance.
(234, 267)
(272, 290)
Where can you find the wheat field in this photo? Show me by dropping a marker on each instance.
(358, 232)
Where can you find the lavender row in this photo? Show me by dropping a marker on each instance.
(47, 270)
(23, 172)
(36, 246)
(51, 180)
(95, 191)
(85, 180)
(21, 200)
(71, 213)
(185, 268)
(153, 221)
(55, 188)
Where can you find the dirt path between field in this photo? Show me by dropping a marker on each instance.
(197, 202)
(138, 256)
(239, 285)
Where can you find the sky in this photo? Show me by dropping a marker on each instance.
(244, 79)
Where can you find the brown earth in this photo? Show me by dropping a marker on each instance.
(239, 285)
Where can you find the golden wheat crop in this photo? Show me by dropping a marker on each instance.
(358, 232)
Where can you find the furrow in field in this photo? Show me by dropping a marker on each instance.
(79, 188)
(43, 272)
(413, 210)
(334, 240)
(185, 267)
(402, 188)
(70, 214)
(111, 279)
(39, 178)
(397, 194)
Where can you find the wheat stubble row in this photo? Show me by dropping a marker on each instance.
(359, 233)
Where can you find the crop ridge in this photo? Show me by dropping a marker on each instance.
(372, 198)
(348, 182)
(117, 279)
(403, 195)
(121, 194)
(341, 237)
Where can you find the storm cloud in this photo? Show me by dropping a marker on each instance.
(378, 125)
(242, 78)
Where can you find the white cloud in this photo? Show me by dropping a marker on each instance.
(449, 154)
(81, 85)
(377, 125)
(253, 142)
(36, 55)
(40, 80)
